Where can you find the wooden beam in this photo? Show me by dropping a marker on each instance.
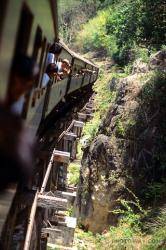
(71, 189)
(70, 196)
(79, 124)
(61, 156)
(90, 106)
(49, 230)
(71, 222)
(88, 110)
(69, 136)
(62, 234)
(52, 202)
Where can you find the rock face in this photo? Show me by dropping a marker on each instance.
(158, 61)
(98, 192)
(128, 154)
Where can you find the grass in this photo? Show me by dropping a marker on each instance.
(128, 235)
(103, 99)
(73, 173)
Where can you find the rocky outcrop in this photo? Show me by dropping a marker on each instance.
(158, 61)
(128, 154)
(98, 188)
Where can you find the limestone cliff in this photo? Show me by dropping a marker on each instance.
(128, 152)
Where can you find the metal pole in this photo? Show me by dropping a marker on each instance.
(66, 131)
(47, 174)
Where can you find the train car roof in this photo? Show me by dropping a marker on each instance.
(77, 55)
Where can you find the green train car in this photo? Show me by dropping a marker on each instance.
(30, 27)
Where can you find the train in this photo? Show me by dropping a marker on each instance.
(31, 31)
(29, 28)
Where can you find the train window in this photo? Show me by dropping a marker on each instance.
(42, 63)
(37, 50)
(22, 41)
(37, 43)
(25, 24)
(2, 16)
(43, 57)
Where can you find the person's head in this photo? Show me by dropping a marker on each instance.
(24, 72)
(51, 69)
(66, 68)
(56, 49)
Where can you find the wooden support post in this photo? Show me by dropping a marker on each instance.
(70, 143)
(74, 147)
(78, 125)
(43, 238)
(62, 177)
(62, 234)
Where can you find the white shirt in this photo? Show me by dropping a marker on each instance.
(45, 80)
(50, 59)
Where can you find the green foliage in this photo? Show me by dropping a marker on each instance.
(91, 128)
(152, 89)
(73, 14)
(84, 240)
(158, 230)
(73, 173)
(155, 190)
(70, 211)
(103, 99)
(120, 128)
(93, 36)
(128, 234)
(123, 27)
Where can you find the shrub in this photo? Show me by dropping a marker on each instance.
(125, 26)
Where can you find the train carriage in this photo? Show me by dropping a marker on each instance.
(29, 28)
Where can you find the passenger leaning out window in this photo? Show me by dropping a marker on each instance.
(24, 73)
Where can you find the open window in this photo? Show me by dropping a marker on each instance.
(24, 30)
(21, 46)
(2, 15)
